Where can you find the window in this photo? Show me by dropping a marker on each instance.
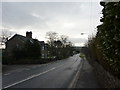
(42, 47)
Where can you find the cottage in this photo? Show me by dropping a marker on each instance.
(18, 41)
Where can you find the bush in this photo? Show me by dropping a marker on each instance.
(105, 46)
(32, 49)
(82, 55)
(6, 59)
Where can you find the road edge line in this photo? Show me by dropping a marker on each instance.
(76, 77)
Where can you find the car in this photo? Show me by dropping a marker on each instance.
(53, 57)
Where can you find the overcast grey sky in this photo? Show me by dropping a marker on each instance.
(65, 18)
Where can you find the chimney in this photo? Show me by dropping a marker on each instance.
(29, 34)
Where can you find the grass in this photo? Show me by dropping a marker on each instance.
(82, 56)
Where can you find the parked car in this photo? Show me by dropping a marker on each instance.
(53, 57)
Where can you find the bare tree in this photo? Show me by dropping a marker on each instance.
(5, 35)
(69, 44)
(60, 47)
(64, 40)
(57, 43)
(51, 36)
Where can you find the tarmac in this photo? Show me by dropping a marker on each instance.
(85, 77)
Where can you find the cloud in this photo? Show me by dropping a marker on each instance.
(67, 18)
(78, 40)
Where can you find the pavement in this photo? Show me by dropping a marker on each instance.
(87, 77)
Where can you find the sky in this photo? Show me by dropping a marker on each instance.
(65, 18)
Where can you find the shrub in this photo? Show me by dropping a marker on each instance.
(105, 46)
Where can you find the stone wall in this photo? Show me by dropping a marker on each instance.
(106, 79)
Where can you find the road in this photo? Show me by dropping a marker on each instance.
(58, 74)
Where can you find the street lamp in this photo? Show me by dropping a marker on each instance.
(84, 36)
(83, 33)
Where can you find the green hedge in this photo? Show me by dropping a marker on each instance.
(105, 47)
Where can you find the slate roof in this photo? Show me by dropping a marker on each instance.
(23, 38)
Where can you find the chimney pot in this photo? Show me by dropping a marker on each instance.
(29, 34)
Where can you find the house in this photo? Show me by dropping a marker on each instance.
(44, 49)
(18, 41)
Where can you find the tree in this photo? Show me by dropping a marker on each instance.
(57, 43)
(59, 47)
(5, 35)
(108, 37)
(51, 36)
(64, 40)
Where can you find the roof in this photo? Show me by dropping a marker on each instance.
(19, 36)
(23, 38)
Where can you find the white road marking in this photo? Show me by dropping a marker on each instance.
(33, 76)
(7, 73)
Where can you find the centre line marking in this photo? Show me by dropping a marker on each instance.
(30, 77)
